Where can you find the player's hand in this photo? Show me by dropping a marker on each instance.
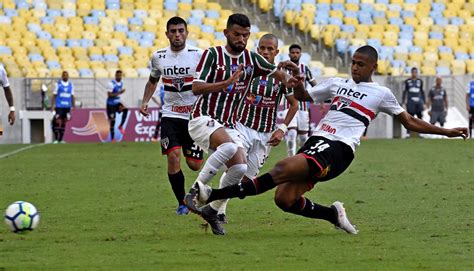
(276, 137)
(236, 75)
(458, 132)
(11, 117)
(294, 81)
(144, 110)
(289, 65)
(122, 91)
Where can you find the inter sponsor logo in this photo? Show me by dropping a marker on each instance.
(351, 93)
(174, 70)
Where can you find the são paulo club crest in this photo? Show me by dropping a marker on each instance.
(342, 102)
(178, 83)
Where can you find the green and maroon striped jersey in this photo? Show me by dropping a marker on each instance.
(258, 109)
(308, 77)
(217, 65)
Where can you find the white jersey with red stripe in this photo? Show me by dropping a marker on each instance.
(176, 70)
(353, 107)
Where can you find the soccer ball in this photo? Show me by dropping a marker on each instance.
(21, 216)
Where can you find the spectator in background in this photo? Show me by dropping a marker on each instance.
(470, 105)
(61, 104)
(438, 100)
(8, 95)
(413, 95)
(114, 105)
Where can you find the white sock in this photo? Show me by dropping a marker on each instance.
(233, 175)
(291, 142)
(216, 160)
(302, 139)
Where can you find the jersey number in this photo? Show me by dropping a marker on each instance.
(318, 147)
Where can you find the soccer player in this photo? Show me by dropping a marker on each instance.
(257, 114)
(300, 123)
(61, 104)
(330, 150)
(176, 65)
(413, 95)
(470, 105)
(114, 90)
(223, 75)
(8, 95)
(438, 100)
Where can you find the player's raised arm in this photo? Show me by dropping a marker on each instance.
(418, 125)
(200, 87)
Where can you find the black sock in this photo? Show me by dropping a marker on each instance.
(177, 184)
(307, 208)
(112, 131)
(124, 116)
(245, 188)
(61, 132)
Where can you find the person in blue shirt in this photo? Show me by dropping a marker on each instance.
(62, 102)
(115, 89)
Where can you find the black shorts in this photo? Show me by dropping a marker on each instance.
(326, 158)
(415, 109)
(471, 113)
(112, 110)
(62, 113)
(174, 134)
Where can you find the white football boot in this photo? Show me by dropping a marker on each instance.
(344, 223)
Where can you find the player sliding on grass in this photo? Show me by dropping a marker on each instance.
(330, 150)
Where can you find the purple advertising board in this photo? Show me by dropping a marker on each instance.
(92, 125)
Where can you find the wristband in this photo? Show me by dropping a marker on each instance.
(12, 109)
(282, 127)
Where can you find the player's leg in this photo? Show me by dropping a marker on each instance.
(290, 137)
(124, 111)
(111, 115)
(157, 129)
(64, 117)
(171, 147)
(303, 127)
(471, 120)
(55, 126)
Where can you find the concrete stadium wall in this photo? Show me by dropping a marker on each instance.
(92, 93)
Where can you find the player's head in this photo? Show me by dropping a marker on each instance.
(295, 53)
(177, 32)
(118, 75)
(268, 47)
(439, 81)
(65, 76)
(237, 32)
(364, 64)
(414, 72)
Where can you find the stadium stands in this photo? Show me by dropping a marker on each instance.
(436, 37)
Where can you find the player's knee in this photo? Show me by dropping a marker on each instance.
(194, 165)
(229, 148)
(173, 160)
(280, 169)
(283, 202)
(239, 169)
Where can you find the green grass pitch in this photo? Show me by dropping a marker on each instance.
(110, 207)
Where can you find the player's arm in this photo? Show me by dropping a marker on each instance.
(417, 125)
(53, 100)
(9, 97)
(281, 130)
(468, 107)
(150, 89)
(201, 87)
(430, 98)
(309, 77)
(301, 94)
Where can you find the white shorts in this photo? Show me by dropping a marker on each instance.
(201, 129)
(257, 148)
(300, 121)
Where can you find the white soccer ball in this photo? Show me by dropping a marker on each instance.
(21, 216)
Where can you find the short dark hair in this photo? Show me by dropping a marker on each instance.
(118, 71)
(270, 36)
(175, 21)
(295, 46)
(414, 69)
(369, 51)
(238, 19)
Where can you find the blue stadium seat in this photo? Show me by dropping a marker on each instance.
(375, 43)
(145, 43)
(85, 72)
(461, 56)
(198, 13)
(213, 14)
(386, 2)
(395, 7)
(57, 43)
(91, 20)
(209, 29)
(32, 27)
(405, 42)
(140, 13)
(69, 13)
(111, 58)
(444, 49)
(134, 20)
(47, 20)
(97, 57)
(353, 1)
(98, 13)
(406, 13)
(378, 14)
(323, 6)
(195, 21)
(335, 21)
(366, 7)
(337, 6)
(415, 49)
(134, 35)
(22, 5)
(44, 35)
(438, 6)
(53, 64)
(86, 43)
(73, 43)
(148, 35)
(5, 20)
(441, 21)
(342, 45)
(443, 71)
(348, 28)
(220, 36)
(386, 53)
(35, 57)
(398, 63)
(456, 21)
(53, 13)
(125, 50)
(171, 6)
(113, 6)
(406, 35)
(350, 14)
(121, 28)
(436, 35)
(436, 14)
(5, 50)
(10, 12)
(406, 28)
(40, 5)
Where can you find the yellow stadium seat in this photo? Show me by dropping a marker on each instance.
(330, 71)
(316, 64)
(435, 42)
(96, 64)
(351, 21)
(444, 63)
(383, 66)
(451, 28)
(380, 21)
(360, 35)
(218, 7)
(411, 21)
(446, 56)
(470, 66)
(203, 44)
(346, 35)
(100, 73)
(458, 67)
(428, 70)
(315, 31)
(466, 42)
(352, 7)
(431, 56)
(392, 28)
(336, 14)
(451, 42)
(415, 57)
(400, 56)
(199, 4)
(290, 17)
(381, 7)
(413, 63)
(449, 13)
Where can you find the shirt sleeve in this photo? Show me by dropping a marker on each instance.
(204, 69)
(3, 78)
(321, 91)
(72, 89)
(288, 91)
(55, 91)
(309, 75)
(155, 70)
(262, 66)
(390, 105)
(110, 87)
